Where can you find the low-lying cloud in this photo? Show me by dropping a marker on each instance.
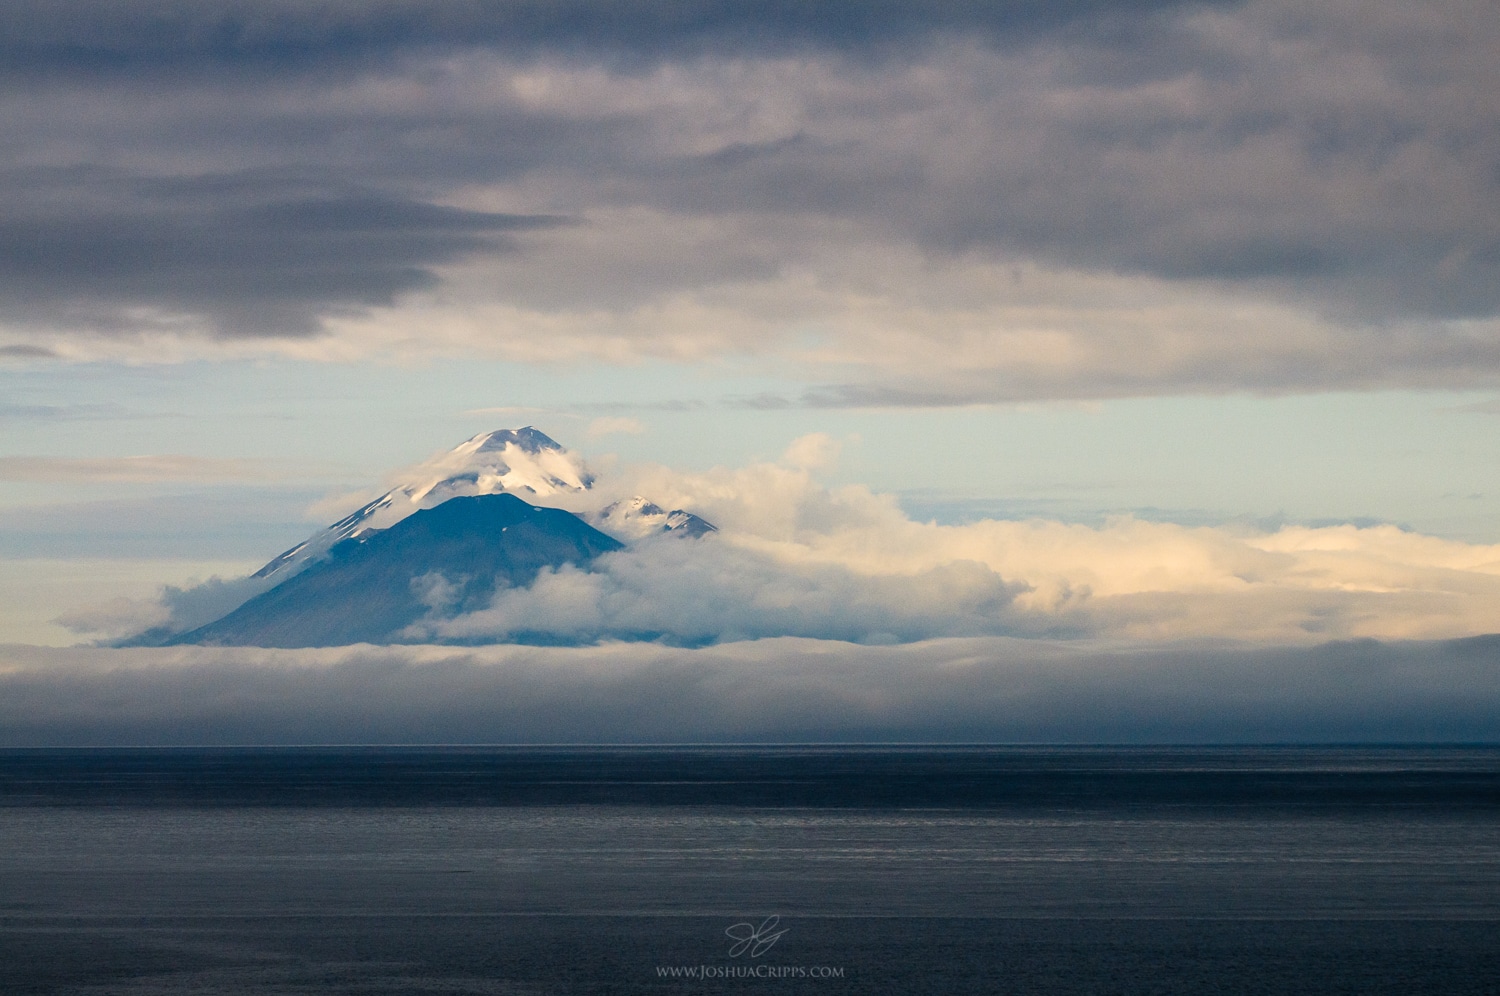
(793, 557)
(704, 592)
(145, 622)
(786, 690)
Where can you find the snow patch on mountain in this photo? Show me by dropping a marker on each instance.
(637, 518)
(525, 462)
(522, 461)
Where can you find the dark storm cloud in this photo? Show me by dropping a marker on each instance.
(262, 255)
(26, 351)
(48, 36)
(258, 167)
(785, 690)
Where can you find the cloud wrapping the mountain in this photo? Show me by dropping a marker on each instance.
(895, 204)
(705, 592)
(786, 690)
(795, 558)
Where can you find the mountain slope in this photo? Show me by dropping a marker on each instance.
(447, 559)
(521, 461)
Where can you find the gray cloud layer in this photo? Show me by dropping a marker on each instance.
(776, 690)
(43, 35)
(265, 255)
(256, 169)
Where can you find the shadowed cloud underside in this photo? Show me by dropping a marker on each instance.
(992, 690)
(932, 204)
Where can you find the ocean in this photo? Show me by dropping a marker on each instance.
(829, 869)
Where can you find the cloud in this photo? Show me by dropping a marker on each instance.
(880, 324)
(609, 425)
(787, 690)
(118, 596)
(135, 469)
(507, 410)
(144, 36)
(814, 451)
(697, 593)
(1491, 407)
(900, 582)
(62, 413)
(793, 557)
(121, 617)
(1128, 577)
(229, 256)
(895, 204)
(146, 622)
(27, 351)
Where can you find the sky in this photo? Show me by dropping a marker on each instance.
(1125, 321)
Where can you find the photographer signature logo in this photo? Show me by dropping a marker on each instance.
(756, 940)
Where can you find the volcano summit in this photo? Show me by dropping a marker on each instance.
(438, 544)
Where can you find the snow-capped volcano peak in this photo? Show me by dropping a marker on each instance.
(528, 439)
(525, 461)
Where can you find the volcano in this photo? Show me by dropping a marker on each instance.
(441, 561)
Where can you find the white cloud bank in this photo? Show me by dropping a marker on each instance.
(786, 690)
(794, 558)
(1031, 631)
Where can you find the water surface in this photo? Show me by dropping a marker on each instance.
(891, 870)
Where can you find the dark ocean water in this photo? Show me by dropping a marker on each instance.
(891, 870)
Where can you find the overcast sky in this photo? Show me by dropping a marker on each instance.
(1216, 266)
